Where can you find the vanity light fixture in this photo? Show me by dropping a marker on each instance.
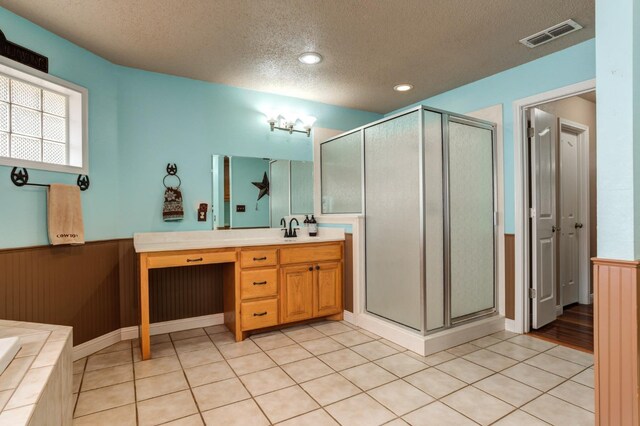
(310, 58)
(287, 122)
(404, 87)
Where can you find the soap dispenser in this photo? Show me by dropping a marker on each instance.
(306, 221)
(313, 227)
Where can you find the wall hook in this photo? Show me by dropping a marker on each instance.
(172, 169)
(19, 177)
(83, 182)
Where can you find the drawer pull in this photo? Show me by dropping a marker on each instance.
(260, 258)
(259, 283)
(199, 259)
(261, 314)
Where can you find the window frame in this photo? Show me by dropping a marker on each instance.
(76, 120)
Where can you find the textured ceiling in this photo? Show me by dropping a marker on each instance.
(368, 45)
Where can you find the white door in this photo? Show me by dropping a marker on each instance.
(569, 217)
(543, 221)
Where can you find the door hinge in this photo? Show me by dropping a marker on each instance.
(532, 213)
(532, 293)
(530, 132)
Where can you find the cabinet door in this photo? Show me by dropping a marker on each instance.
(296, 292)
(328, 289)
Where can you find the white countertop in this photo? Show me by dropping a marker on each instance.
(191, 240)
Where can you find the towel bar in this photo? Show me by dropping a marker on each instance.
(20, 177)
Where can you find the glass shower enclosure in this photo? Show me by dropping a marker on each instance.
(425, 181)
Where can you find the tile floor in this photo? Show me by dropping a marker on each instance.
(332, 373)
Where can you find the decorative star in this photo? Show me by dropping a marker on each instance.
(262, 186)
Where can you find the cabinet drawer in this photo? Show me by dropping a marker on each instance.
(303, 254)
(254, 258)
(190, 259)
(259, 314)
(258, 283)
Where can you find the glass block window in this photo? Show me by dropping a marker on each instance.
(33, 122)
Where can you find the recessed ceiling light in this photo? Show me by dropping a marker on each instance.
(310, 58)
(404, 87)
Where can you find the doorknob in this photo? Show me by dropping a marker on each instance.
(578, 225)
(554, 229)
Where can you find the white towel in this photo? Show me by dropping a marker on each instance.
(64, 215)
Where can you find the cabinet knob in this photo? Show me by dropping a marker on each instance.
(311, 268)
(317, 267)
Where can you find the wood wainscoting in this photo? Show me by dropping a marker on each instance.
(616, 341)
(94, 287)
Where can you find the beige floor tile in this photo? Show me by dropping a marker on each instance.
(435, 382)
(572, 355)
(396, 422)
(241, 413)
(78, 366)
(17, 416)
(585, 378)
(477, 405)
(463, 349)
(107, 377)
(166, 408)
(104, 398)
(238, 349)
(558, 412)
(519, 418)
(158, 350)
(286, 403)
(575, 393)
(121, 416)
(163, 384)
(158, 338)
(400, 397)
(192, 420)
(555, 365)
(288, 354)
(533, 377)
(208, 373)
(342, 359)
(321, 346)
(201, 357)
(111, 359)
(307, 369)
(531, 342)
(331, 327)
(303, 334)
(368, 376)
(490, 360)
(120, 346)
(401, 364)
(438, 358)
(222, 339)
(504, 335)
(351, 338)
(517, 352)
(215, 329)
(360, 410)
(374, 350)
(485, 341)
(265, 381)
(393, 345)
(251, 363)
(464, 370)
(220, 393)
(314, 418)
(329, 389)
(193, 344)
(437, 414)
(186, 334)
(508, 390)
(273, 341)
(155, 366)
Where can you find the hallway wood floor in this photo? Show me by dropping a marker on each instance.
(574, 328)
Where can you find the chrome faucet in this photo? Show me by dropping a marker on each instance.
(292, 232)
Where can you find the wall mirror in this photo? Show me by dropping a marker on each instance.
(252, 192)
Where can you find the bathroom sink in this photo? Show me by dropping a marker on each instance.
(9, 347)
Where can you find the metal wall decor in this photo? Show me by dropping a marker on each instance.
(20, 177)
(262, 186)
(23, 55)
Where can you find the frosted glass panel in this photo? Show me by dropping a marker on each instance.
(434, 223)
(279, 191)
(392, 182)
(301, 187)
(471, 219)
(342, 174)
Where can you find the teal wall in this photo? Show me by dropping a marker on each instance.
(244, 171)
(562, 68)
(138, 122)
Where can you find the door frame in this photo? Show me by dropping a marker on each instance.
(522, 321)
(584, 258)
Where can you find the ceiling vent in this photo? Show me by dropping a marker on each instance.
(551, 33)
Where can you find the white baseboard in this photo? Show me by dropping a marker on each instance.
(558, 310)
(350, 317)
(591, 298)
(510, 325)
(128, 333)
